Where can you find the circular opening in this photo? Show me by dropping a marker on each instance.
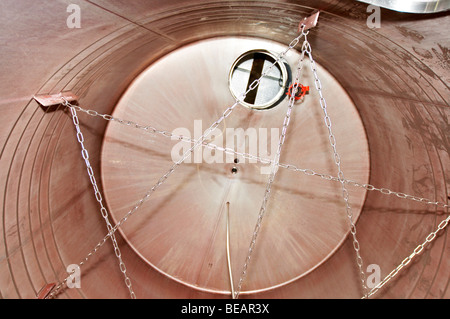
(162, 232)
(249, 67)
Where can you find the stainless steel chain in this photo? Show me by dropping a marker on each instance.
(98, 197)
(306, 171)
(386, 191)
(428, 240)
(274, 169)
(337, 160)
(111, 229)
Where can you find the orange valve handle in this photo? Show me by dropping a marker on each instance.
(301, 91)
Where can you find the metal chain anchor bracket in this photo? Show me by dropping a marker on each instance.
(309, 22)
(51, 102)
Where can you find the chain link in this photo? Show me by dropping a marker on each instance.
(337, 160)
(198, 142)
(275, 164)
(111, 229)
(98, 197)
(307, 171)
(401, 195)
(419, 249)
(274, 169)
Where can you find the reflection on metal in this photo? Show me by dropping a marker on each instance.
(412, 6)
(250, 66)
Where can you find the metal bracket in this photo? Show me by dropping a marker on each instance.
(45, 291)
(51, 102)
(309, 22)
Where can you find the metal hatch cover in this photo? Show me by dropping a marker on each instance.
(412, 6)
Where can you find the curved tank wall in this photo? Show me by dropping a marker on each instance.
(396, 76)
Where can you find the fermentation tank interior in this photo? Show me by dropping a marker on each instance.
(141, 74)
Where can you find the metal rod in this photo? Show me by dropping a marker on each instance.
(228, 252)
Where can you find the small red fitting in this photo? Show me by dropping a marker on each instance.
(301, 91)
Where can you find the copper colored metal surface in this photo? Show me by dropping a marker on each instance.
(166, 64)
